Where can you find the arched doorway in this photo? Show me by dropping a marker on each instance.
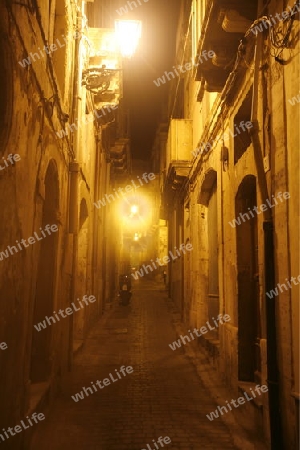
(213, 253)
(40, 369)
(248, 285)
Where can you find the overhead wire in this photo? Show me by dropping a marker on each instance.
(278, 43)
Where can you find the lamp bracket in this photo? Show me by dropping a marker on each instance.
(97, 79)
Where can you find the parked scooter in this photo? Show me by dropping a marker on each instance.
(125, 289)
(125, 295)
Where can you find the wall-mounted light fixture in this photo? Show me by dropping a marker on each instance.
(124, 40)
(97, 79)
(224, 157)
(128, 33)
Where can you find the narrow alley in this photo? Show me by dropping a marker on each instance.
(149, 224)
(163, 396)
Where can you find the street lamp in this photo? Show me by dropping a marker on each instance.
(128, 33)
(134, 209)
(108, 46)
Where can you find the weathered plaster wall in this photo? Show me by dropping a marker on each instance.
(278, 132)
(29, 127)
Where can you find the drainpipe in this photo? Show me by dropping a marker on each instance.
(222, 196)
(269, 266)
(74, 170)
(272, 362)
(73, 229)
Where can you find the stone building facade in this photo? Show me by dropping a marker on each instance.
(230, 185)
(59, 123)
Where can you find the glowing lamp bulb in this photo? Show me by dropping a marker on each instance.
(134, 209)
(128, 33)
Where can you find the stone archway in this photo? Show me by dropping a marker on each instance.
(247, 279)
(40, 369)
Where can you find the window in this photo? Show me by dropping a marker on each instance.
(242, 138)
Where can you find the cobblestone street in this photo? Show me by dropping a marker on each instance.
(162, 397)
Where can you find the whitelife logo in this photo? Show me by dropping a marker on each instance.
(166, 259)
(275, 292)
(18, 428)
(12, 159)
(130, 187)
(203, 330)
(47, 49)
(241, 401)
(105, 381)
(3, 346)
(161, 441)
(183, 69)
(294, 100)
(205, 147)
(42, 325)
(31, 240)
(262, 208)
(268, 22)
(85, 120)
(132, 5)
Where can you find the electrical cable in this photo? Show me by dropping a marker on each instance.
(279, 43)
(42, 98)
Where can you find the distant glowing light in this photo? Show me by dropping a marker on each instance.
(135, 212)
(128, 33)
